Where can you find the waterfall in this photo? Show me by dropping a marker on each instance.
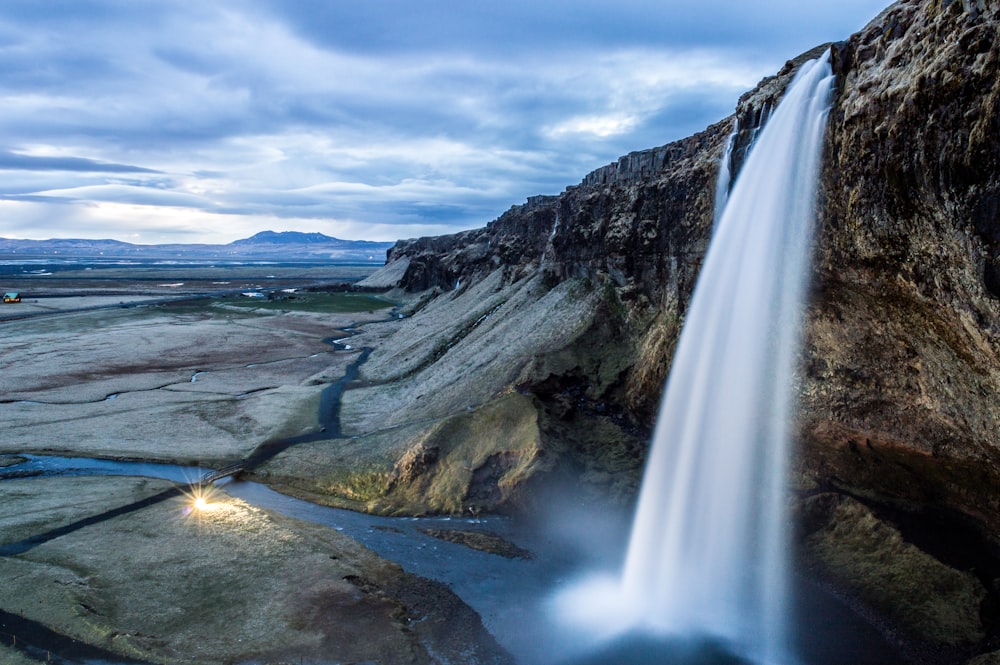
(708, 547)
(552, 235)
(725, 163)
(765, 113)
(708, 551)
(722, 182)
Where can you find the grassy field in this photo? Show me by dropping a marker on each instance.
(335, 303)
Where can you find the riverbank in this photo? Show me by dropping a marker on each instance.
(255, 538)
(207, 384)
(230, 583)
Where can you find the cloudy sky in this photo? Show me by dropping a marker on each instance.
(179, 121)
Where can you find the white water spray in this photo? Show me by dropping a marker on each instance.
(708, 552)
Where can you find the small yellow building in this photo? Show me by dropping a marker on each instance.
(12, 296)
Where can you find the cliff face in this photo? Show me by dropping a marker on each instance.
(902, 358)
(566, 310)
(632, 221)
(903, 347)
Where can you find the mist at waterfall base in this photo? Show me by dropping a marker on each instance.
(706, 572)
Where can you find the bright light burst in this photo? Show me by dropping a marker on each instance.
(200, 499)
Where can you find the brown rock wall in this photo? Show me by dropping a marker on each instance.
(903, 340)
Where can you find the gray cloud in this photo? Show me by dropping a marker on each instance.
(499, 29)
(19, 162)
(370, 118)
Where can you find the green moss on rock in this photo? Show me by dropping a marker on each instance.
(930, 602)
(474, 460)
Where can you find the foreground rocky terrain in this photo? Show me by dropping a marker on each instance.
(535, 349)
(229, 584)
(124, 567)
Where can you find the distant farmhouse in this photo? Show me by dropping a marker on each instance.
(12, 296)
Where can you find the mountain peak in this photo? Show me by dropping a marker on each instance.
(286, 238)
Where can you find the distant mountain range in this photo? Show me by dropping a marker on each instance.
(284, 245)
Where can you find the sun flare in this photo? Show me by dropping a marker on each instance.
(200, 499)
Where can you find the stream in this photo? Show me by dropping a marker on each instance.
(505, 591)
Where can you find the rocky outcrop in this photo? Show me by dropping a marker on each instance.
(639, 222)
(901, 363)
(574, 301)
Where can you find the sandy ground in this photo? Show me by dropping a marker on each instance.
(229, 584)
(193, 384)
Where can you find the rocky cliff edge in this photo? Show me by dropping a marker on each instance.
(535, 349)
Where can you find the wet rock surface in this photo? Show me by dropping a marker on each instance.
(903, 339)
(486, 542)
(892, 581)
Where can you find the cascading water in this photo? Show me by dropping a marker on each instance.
(552, 235)
(708, 551)
(725, 176)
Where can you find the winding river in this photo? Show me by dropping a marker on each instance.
(510, 594)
